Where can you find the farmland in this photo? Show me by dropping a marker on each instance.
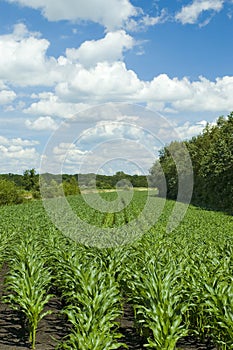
(166, 290)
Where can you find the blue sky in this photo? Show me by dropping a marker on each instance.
(74, 61)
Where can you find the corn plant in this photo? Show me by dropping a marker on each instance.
(159, 305)
(195, 275)
(200, 281)
(219, 304)
(27, 286)
(3, 247)
(92, 298)
(114, 261)
(94, 321)
(177, 282)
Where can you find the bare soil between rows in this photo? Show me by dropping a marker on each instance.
(53, 328)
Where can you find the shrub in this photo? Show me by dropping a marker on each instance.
(9, 193)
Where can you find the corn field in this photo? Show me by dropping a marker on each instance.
(178, 284)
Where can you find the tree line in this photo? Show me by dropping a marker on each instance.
(15, 188)
(211, 153)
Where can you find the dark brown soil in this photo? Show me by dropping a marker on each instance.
(53, 328)
(13, 337)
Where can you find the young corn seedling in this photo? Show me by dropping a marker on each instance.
(3, 247)
(159, 305)
(95, 305)
(219, 303)
(201, 282)
(27, 285)
(93, 300)
(193, 280)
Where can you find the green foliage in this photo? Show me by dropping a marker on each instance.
(178, 283)
(159, 302)
(219, 306)
(93, 298)
(107, 182)
(16, 178)
(70, 187)
(50, 189)
(30, 180)
(9, 193)
(29, 183)
(211, 153)
(27, 285)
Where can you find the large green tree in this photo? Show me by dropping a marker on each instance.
(30, 182)
(211, 153)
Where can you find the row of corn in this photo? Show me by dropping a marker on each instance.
(178, 284)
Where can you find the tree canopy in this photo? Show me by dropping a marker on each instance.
(211, 154)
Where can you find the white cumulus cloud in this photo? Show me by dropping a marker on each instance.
(106, 156)
(23, 59)
(50, 104)
(104, 78)
(7, 96)
(190, 13)
(17, 154)
(4, 141)
(105, 81)
(42, 123)
(109, 49)
(189, 129)
(115, 83)
(206, 95)
(109, 13)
